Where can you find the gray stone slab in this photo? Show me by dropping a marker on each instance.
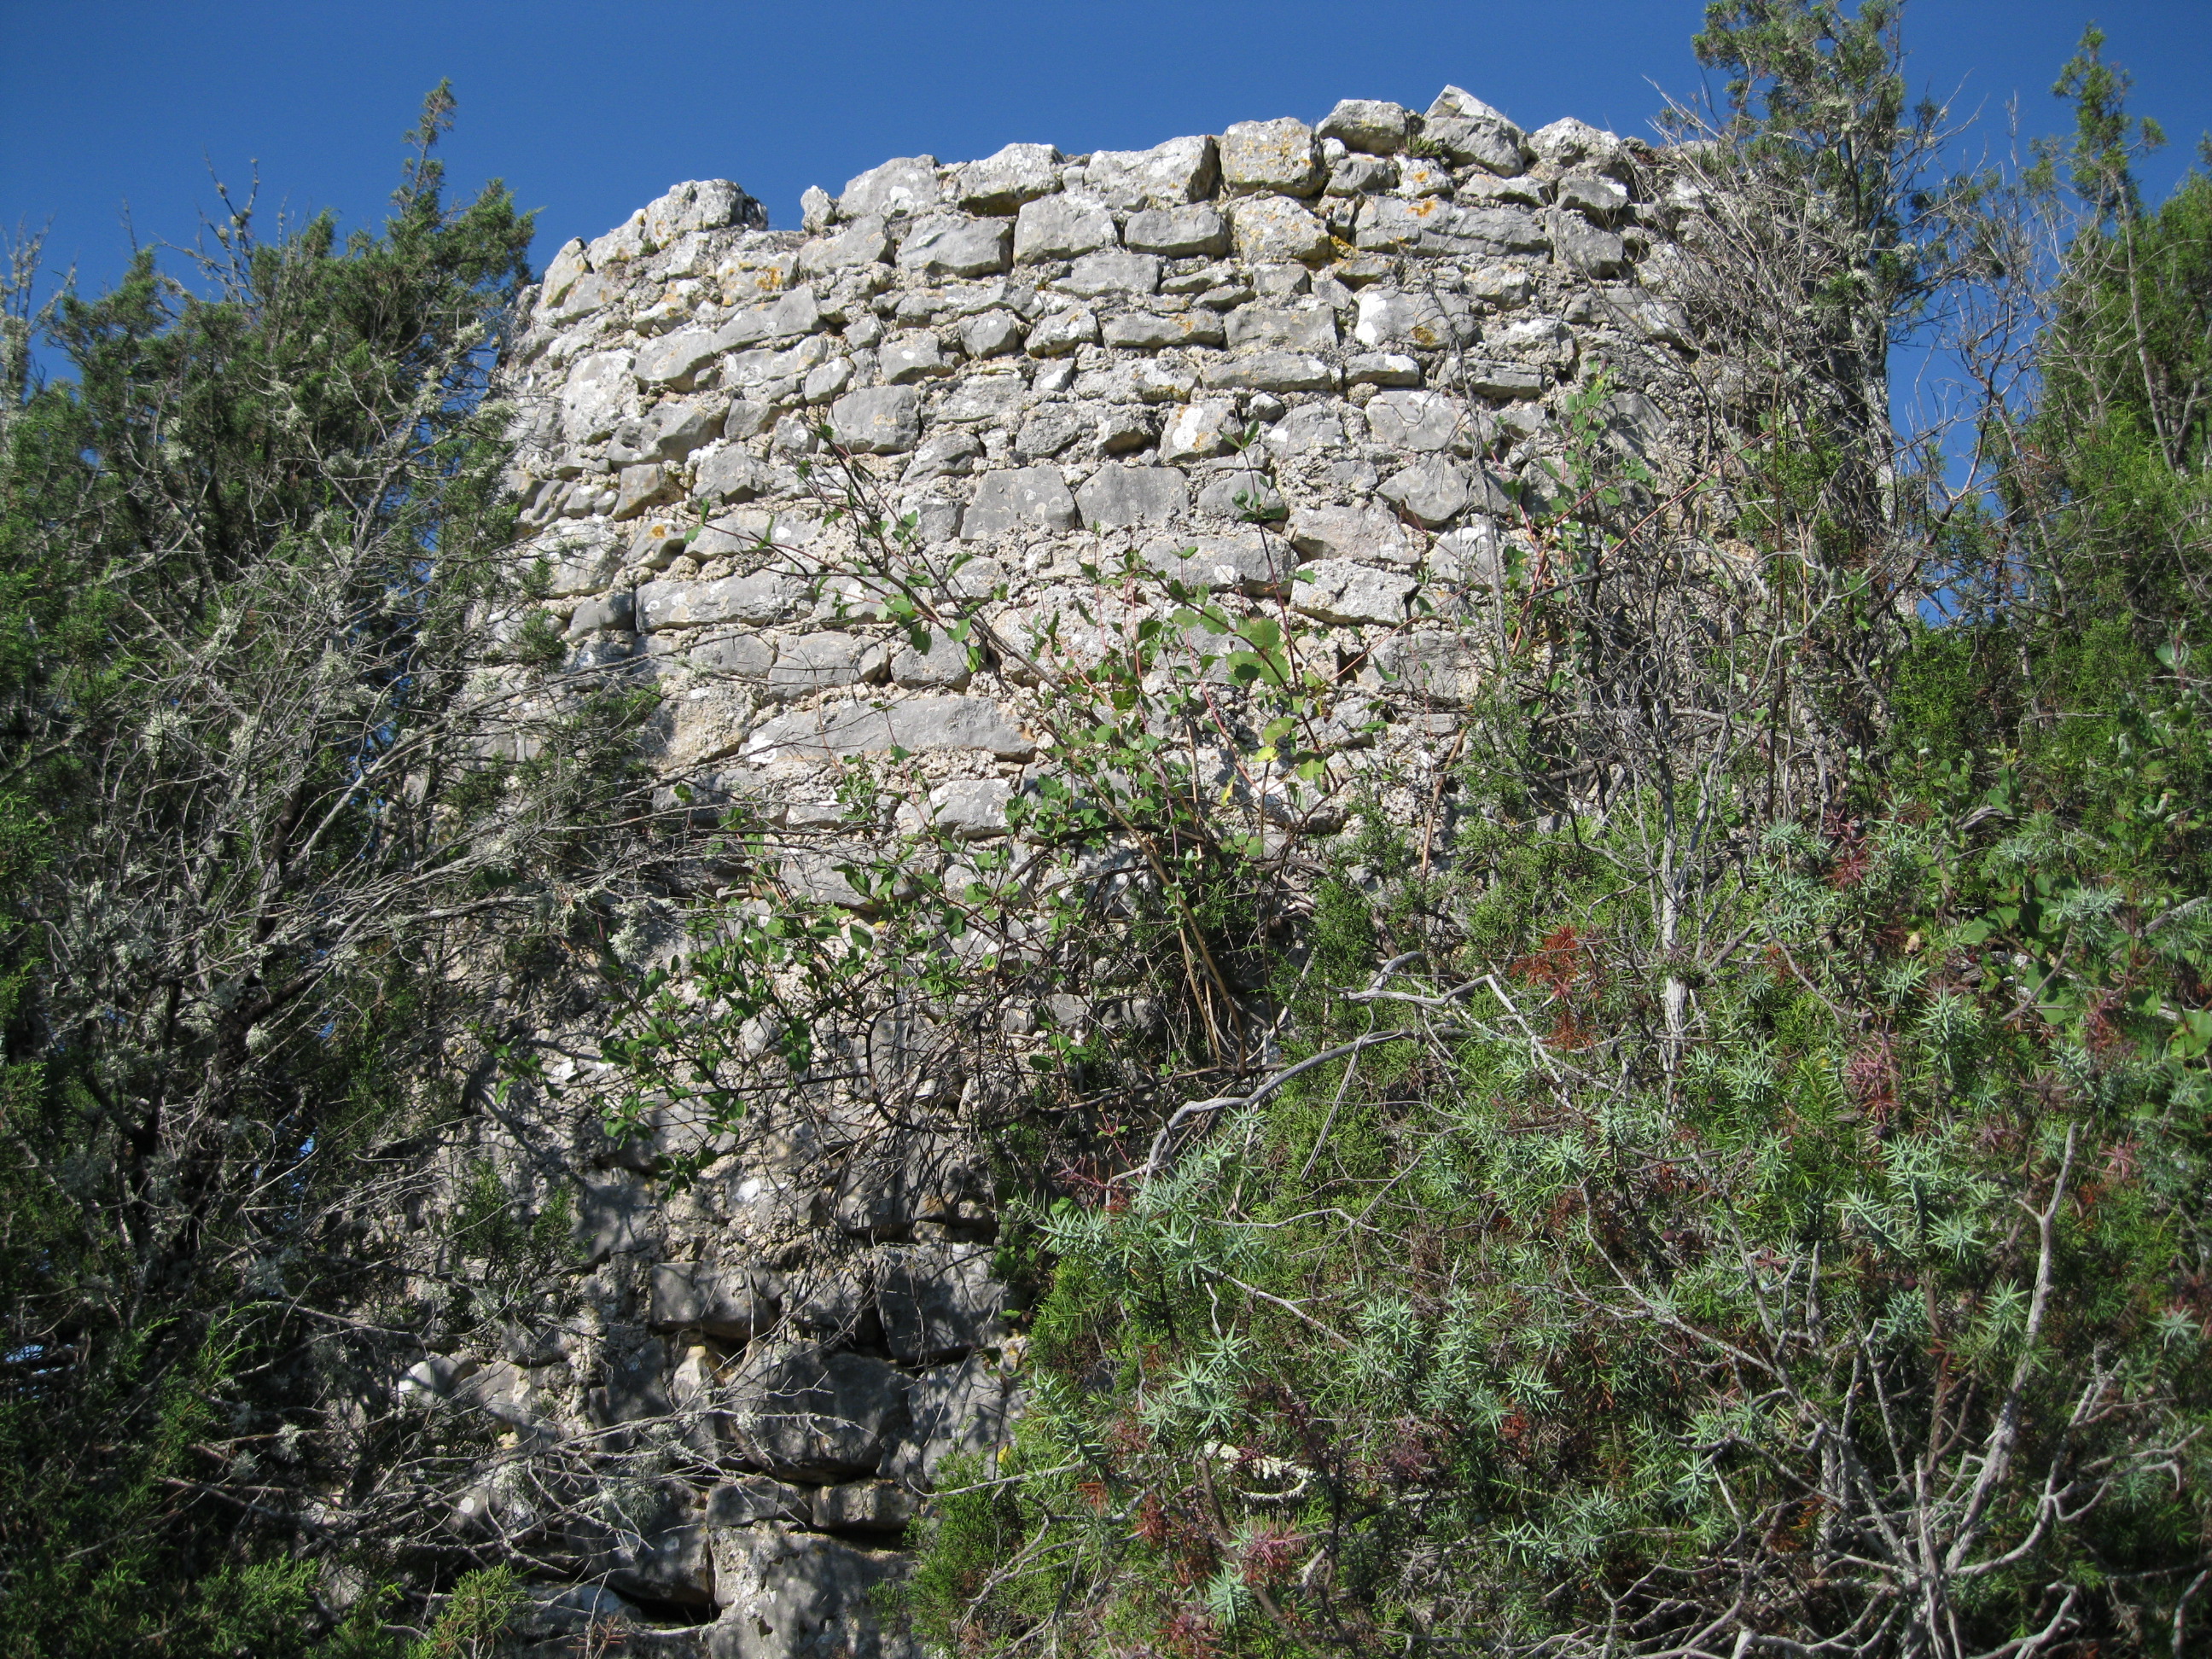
(1061, 333)
(1115, 498)
(1308, 328)
(949, 245)
(1422, 420)
(1469, 133)
(759, 597)
(1248, 561)
(915, 723)
(878, 420)
(1277, 157)
(722, 1301)
(1179, 232)
(1368, 124)
(864, 242)
(801, 1414)
(1018, 498)
(1338, 590)
(1061, 227)
(1113, 270)
(1147, 330)
(786, 318)
(1275, 228)
(938, 1301)
(788, 1593)
(1366, 533)
(969, 1408)
(1179, 171)
(1002, 182)
(898, 188)
(822, 662)
(1271, 371)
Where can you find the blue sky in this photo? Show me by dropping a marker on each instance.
(589, 110)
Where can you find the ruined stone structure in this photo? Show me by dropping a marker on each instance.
(1314, 367)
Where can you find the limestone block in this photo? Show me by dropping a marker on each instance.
(1247, 560)
(986, 396)
(1115, 497)
(1061, 333)
(897, 189)
(967, 1408)
(614, 610)
(1368, 124)
(1123, 427)
(1391, 224)
(582, 561)
(944, 665)
(916, 723)
(801, 1414)
(1546, 339)
(1179, 232)
(730, 474)
(938, 1301)
(1434, 666)
(1001, 182)
(1018, 498)
(1490, 378)
(878, 420)
(1486, 232)
(1338, 590)
(1387, 369)
(1112, 271)
(1275, 157)
(973, 809)
(992, 334)
(661, 1555)
(721, 1302)
(1368, 534)
(1422, 420)
(701, 204)
(1368, 176)
(1592, 193)
(640, 487)
(1242, 493)
(676, 428)
(788, 1594)
(1061, 227)
(1427, 322)
(1469, 556)
(1181, 170)
(1568, 143)
(1583, 247)
(757, 597)
(863, 243)
(1198, 429)
(948, 244)
(1419, 176)
(905, 357)
(824, 383)
(739, 656)
(705, 723)
(819, 662)
(1270, 371)
(1275, 227)
(865, 1506)
(1311, 328)
(1432, 491)
(1163, 383)
(1468, 132)
(634, 1389)
(785, 319)
(597, 394)
(674, 359)
(1146, 330)
(567, 268)
(1048, 429)
(1313, 429)
(752, 1498)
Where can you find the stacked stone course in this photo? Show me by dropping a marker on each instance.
(1313, 369)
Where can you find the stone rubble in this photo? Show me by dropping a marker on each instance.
(1316, 368)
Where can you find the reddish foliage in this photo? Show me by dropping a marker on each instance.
(1271, 1554)
(1871, 1076)
(1556, 964)
(1152, 1520)
(1189, 1632)
(1847, 845)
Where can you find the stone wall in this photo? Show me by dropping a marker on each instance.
(1317, 369)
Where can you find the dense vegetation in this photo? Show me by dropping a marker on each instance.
(1751, 1195)
(260, 806)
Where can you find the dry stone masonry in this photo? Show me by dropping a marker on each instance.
(1318, 369)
